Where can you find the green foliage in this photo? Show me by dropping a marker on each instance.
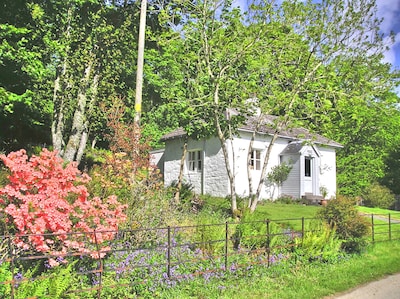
(279, 173)
(253, 233)
(51, 283)
(378, 196)
(369, 133)
(342, 215)
(5, 279)
(186, 193)
(288, 281)
(210, 229)
(392, 170)
(285, 199)
(319, 243)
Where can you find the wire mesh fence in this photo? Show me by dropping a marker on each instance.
(149, 257)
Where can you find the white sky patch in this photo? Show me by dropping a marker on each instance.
(240, 3)
(389, 10)
(392, 55)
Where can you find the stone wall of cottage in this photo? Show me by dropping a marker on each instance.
(213, 178)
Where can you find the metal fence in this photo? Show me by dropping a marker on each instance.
(384, 227)
(164, 255)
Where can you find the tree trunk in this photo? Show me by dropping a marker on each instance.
(256, 197)
(249, 172)
(57, 126)
(230, 171)
(181, 168)
(75, 142)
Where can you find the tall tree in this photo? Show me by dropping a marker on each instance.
(82, 53)
(300, 61)
(209, 49)
(24, 113)
(317, 57)
(88, 45)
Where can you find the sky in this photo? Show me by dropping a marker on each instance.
(389, 10)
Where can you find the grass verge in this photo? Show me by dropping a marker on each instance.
(298, 280)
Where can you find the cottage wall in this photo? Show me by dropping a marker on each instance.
(216, 181)
(292, 185)
(328, 170)
(172, 157)
(213, 178)
(241, 146)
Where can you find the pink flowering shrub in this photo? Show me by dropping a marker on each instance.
(46, 196)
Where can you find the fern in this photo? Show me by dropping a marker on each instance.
(50, 284)
(60, 281)
(319, 243)
(5, 278)
(32, 286)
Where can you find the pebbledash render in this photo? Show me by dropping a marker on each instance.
(311, 156)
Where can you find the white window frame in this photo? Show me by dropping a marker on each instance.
(255, 159)
(195, 160)
(308, 167)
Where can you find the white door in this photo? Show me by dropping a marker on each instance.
(308, 175)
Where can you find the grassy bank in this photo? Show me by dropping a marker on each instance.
(265, 209)
(377, 211)
(315, 280)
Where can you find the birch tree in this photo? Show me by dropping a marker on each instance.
(90, 47)
(305, 62)
(293, 58)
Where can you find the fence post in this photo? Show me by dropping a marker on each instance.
(268, 243)
(100, 266)
(390, 228)
(226, 246)
(373, 229)
(169, 252)
(11, 266)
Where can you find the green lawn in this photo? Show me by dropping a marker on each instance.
(377, 211)
(382, 230)
(286, 211)
(289, 215)
(267, 209)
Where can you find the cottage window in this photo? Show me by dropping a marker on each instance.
(255, 160)
(195, 161)
(307, 166)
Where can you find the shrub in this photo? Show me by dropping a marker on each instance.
(186, 193)
(319, 243)
(126, 171)
(377, 196)
(251, 233)
(210, 233)
(45, 196)
(279, 173)
(342, 215)
(285, 199)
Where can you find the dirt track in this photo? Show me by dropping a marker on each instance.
(385, 288)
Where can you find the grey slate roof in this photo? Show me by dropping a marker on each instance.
(180, 132)
(292, 148)
(267, 127)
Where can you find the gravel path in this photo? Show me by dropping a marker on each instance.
(386, 288)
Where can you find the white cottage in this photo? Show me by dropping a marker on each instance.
(312, 157)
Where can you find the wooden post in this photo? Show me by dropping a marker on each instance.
(140, 60)
(226, 246)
